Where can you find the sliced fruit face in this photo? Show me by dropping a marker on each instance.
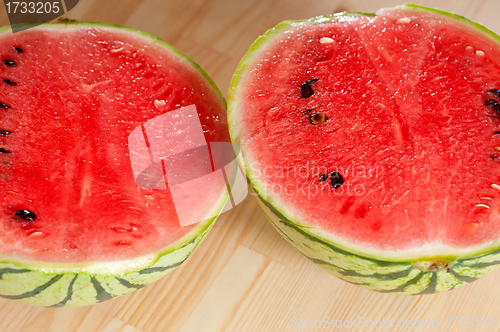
(377, 133)
(71, 96)
(80, 222)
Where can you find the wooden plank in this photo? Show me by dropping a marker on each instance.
(118, 326)
(227, 292)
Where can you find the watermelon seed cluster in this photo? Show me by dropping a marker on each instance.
(26, 215)
(3, 105)
(307, 91)
(9, 63)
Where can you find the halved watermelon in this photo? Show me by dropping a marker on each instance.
(76, 226)
(373, 142)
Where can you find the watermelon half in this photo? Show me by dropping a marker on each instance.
(373, 143)
(76, 228)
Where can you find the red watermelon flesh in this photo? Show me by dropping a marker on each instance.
(79, 92)
(403, 94)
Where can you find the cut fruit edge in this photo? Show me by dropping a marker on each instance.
(117, 268)
(431, 251)
(172, 254)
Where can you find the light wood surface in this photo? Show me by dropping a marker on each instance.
(244, 276)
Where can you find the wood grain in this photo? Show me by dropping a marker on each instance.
(244, 276)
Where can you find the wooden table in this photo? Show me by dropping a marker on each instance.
(244, 276)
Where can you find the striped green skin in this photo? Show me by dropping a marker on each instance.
(397, 276)
(35, 284)
(35, 287)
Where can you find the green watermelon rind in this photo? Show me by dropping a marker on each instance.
(334, 253)
(38, 287)
(80, 284)
(399, 277)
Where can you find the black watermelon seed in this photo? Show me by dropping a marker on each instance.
(19, 50)
(26, 215)
(307, 112)
(317, 119)
(2, 105)
(9, 82)
(490, 102)
(9, 63)
(336, 179)
(323, 177)
(4, 132)
(497, 132)
(306, 89)
(2, 150)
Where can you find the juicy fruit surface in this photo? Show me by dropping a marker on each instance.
(403, 120)
(78, 94)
